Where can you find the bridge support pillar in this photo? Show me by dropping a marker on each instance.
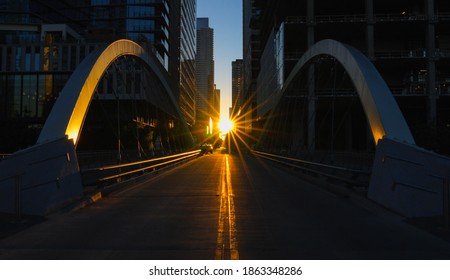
(407, 179)
(40, 179)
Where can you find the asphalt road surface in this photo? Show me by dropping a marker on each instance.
(222, 206)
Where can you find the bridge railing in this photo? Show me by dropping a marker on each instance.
(119, 172)
(353, 177)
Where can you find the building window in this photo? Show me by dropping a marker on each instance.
(29, 96)
(14, 90)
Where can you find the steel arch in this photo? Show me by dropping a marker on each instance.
(380, 107)
(69, 111)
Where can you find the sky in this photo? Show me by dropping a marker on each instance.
(225, 17)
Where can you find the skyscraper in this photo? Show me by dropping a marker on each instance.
(236, 85)
(147, 22)
(216, 105)
(188, 17)
(204, 71)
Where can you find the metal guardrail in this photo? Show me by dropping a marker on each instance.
(95, 176)
(342, 174)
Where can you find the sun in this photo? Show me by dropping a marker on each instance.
(225, 125)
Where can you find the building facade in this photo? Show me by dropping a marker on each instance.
(204, 71)
(188, 41)
(236, 86)
(216, 107)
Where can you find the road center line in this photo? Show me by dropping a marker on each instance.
(227, 245)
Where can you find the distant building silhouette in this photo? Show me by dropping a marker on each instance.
(237, 68)
(205, 72)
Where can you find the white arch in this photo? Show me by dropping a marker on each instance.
(69, 111)
(382, 111)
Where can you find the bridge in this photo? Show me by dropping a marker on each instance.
(283, 195)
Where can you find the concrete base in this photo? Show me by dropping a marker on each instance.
(40, 179)
(408, 180)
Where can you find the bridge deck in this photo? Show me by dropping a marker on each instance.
(221, 207)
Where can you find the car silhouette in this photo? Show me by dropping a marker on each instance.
(206, 148)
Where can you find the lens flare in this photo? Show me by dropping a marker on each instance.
(225, 125)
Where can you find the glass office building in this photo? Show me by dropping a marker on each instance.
(188, 35)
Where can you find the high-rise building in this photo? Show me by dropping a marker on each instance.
(146, 22)
(188, 33)
(408, 41)
(251, 50)
(182, 48)
(216, 105)
(204, 71)
(236, 86)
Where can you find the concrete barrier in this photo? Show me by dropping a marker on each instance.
(407, 179)
(40, 179)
